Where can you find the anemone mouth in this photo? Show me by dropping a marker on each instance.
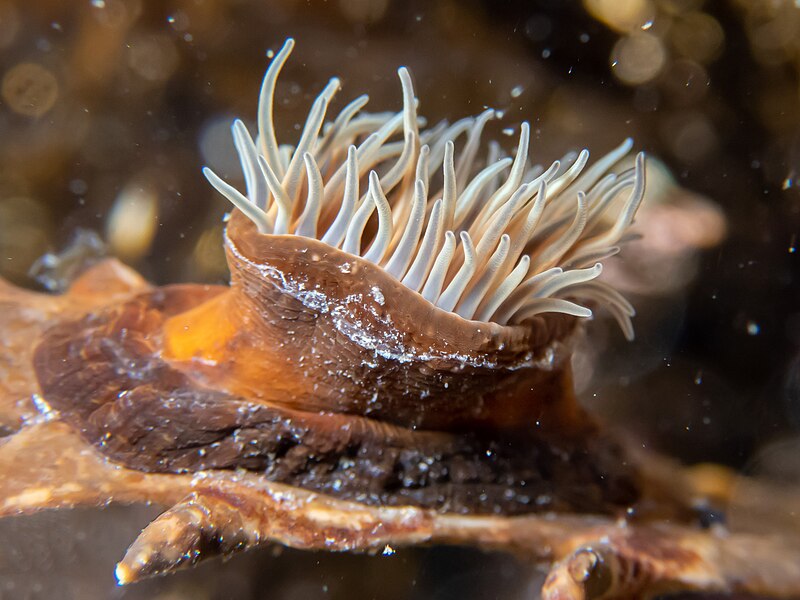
(494, 241)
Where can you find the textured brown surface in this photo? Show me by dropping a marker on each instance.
(220, 512)
(48, 464)
(25, 315)
(104, 375)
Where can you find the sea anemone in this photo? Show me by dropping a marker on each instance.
(371, 379)
(494, 240)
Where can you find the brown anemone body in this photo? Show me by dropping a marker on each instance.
(322, 330)
(317, 369)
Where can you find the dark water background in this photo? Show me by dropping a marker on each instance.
(108, 103)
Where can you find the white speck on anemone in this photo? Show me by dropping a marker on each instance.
(485, 246)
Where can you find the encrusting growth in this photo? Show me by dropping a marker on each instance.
(499, 241)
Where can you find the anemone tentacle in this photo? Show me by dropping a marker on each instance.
(501, 240)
